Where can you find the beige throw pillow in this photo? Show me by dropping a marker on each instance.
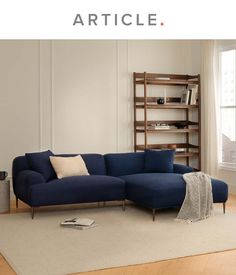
(69, 166)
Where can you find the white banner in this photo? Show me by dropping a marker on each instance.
(103, 19)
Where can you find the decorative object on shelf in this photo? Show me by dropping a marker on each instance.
(172, 146)
(173, 100)
(185, 99)
(160, 100)
(3, 175)
(164, 95)
(181, 125)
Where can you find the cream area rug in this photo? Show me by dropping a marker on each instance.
(42, 247)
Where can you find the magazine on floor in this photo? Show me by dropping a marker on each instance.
(79, 223)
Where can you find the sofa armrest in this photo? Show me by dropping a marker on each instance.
(24, 180)
(182, 169)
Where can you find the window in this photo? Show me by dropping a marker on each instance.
(228, 107)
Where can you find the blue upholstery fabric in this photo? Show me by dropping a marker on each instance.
(19, 164)
(182, 169)
(124, 163)
(77, 189)
(163, 190)
(40, 163)
(95, 163)
(219, 190)
(160, 161)
(26, 179)
(155, 190)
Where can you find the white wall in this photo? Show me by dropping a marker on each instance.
(19, 99)
(76, 96)
(85, 96)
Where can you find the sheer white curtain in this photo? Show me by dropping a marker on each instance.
(209, 104)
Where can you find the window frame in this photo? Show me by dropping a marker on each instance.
(225, 165)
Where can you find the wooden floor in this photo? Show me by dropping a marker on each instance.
(221, 263)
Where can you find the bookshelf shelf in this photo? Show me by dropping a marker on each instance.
(167, 106)
(140, 123)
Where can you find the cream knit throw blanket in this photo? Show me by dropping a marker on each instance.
(198, 202)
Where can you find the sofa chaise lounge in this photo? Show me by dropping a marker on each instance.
(113, 177)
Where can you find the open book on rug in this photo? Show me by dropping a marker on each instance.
(79, 223)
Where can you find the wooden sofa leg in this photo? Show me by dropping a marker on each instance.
(32, 213)
(123, 205)
(16, 202)
(153, 214)
(224, 204)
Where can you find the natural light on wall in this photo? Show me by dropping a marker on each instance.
(228, 108)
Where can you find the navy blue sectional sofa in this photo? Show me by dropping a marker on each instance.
(113, 177)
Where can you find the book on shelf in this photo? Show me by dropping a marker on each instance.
(180, 150)
(163, 78)
(185, 96)
(78, 223)
(193, 100)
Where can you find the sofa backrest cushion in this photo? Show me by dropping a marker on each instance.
(159, 161)
(120, 164)
(95, 163)
(40, 163)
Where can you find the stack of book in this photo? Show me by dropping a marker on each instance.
(162, 126)
(159, 126)
(79, 223)
(193, 98)
(190, 95)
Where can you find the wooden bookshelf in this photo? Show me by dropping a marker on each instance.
(145, 103)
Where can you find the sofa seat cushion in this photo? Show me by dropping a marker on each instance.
(163, 190)
(77, 189)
